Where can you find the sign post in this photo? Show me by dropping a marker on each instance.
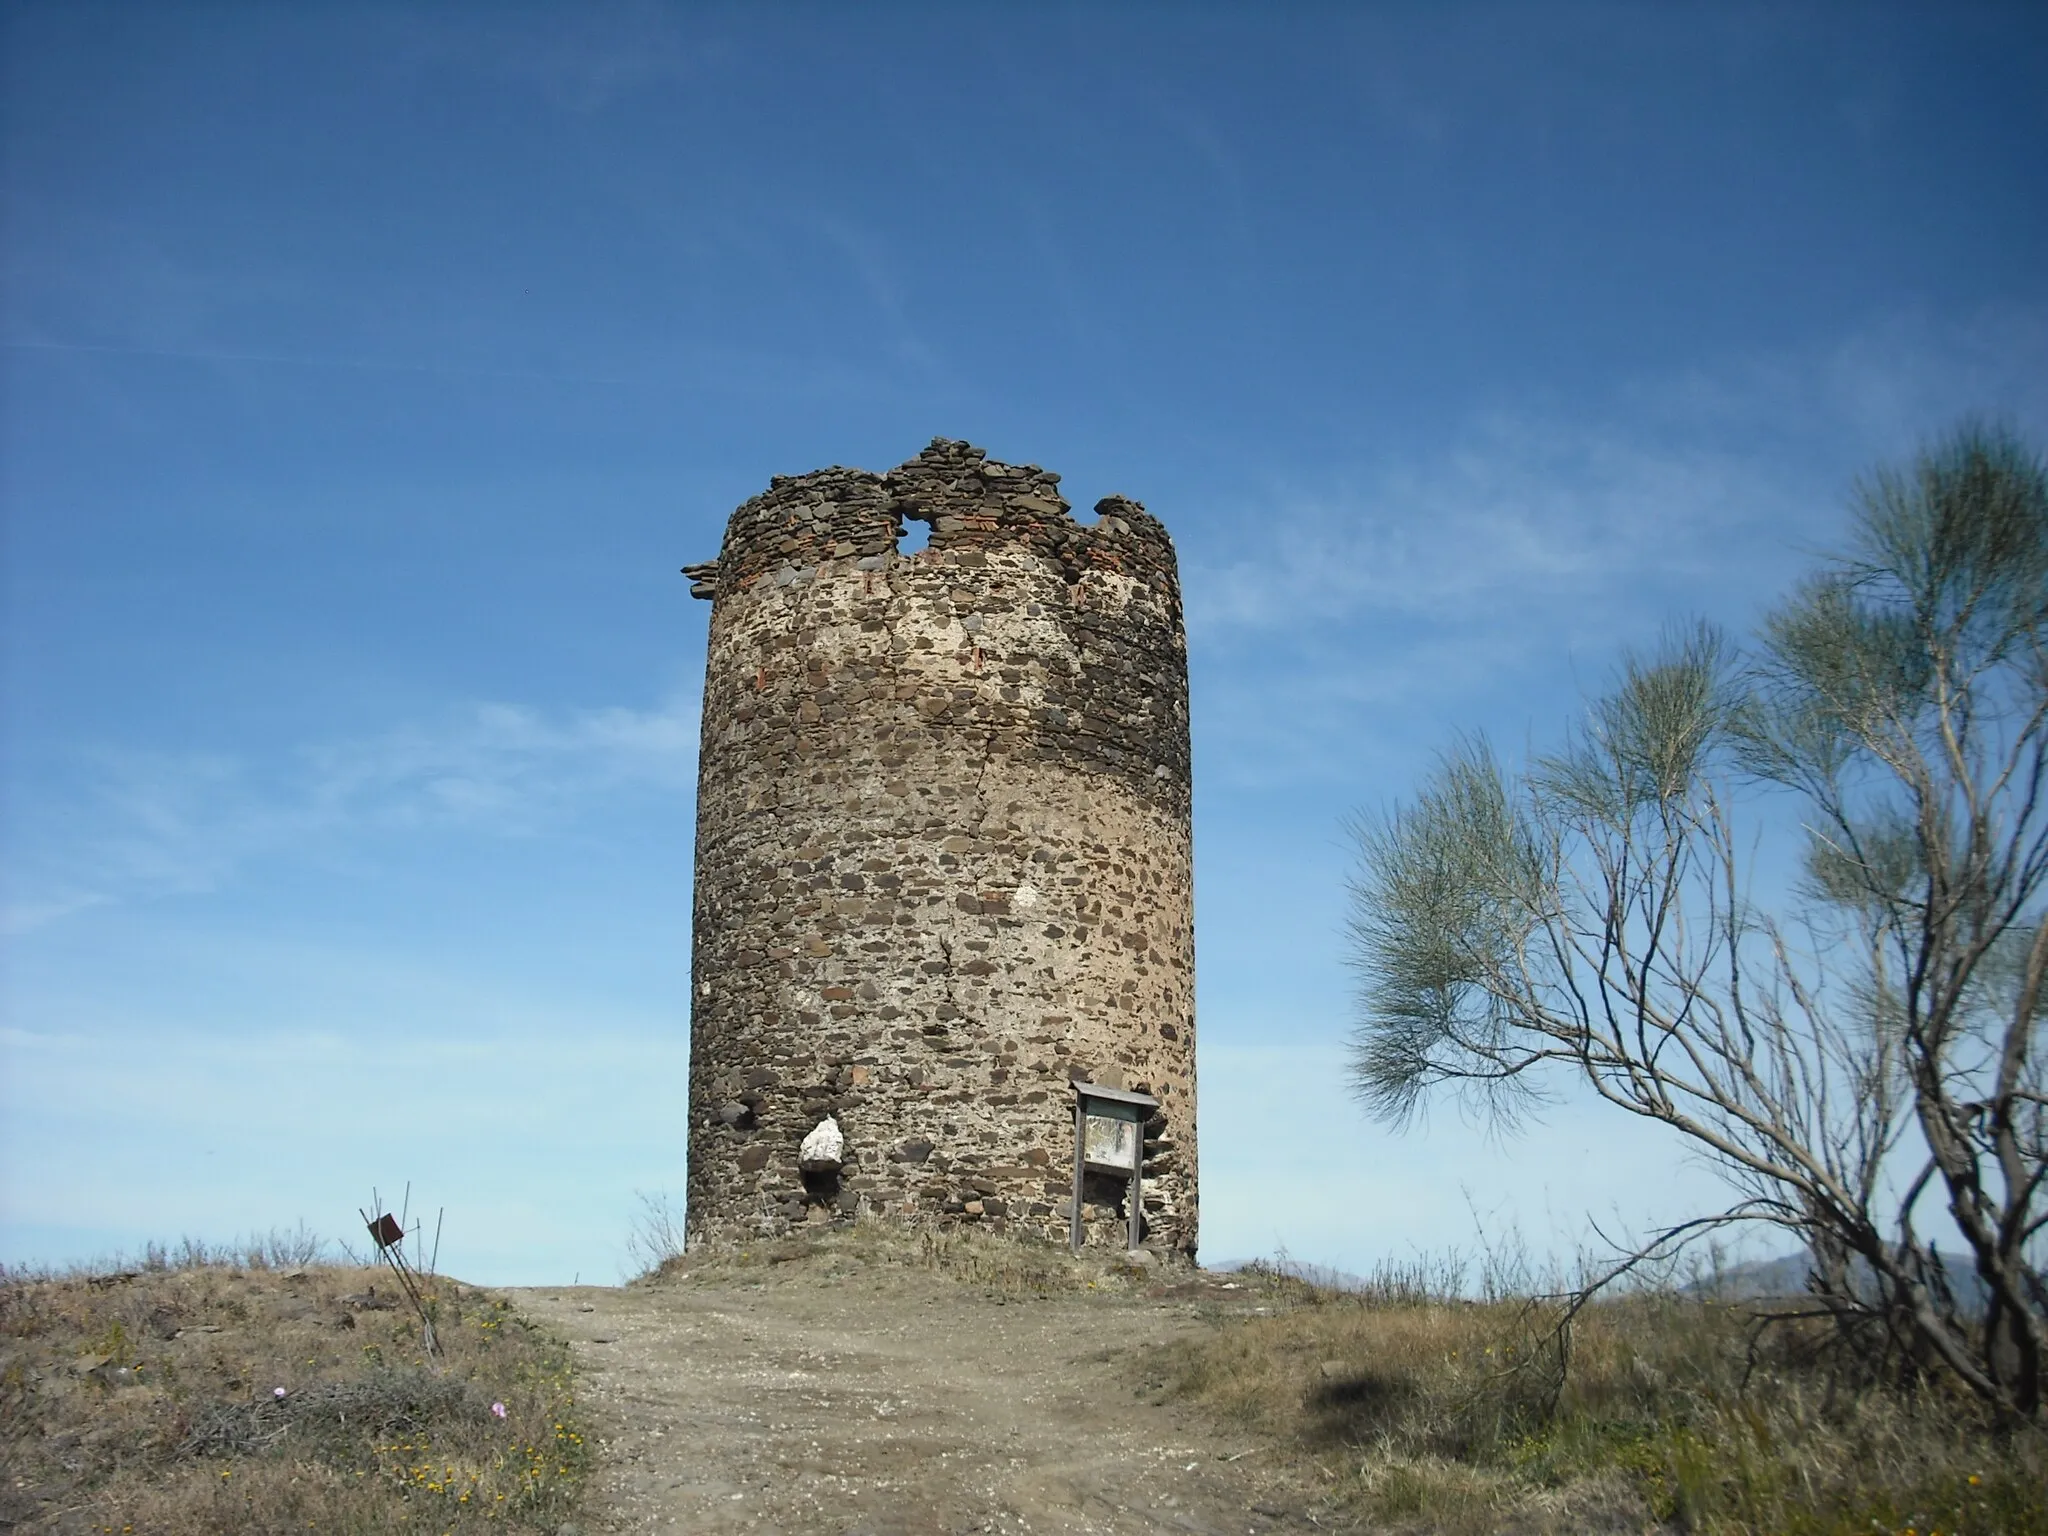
(1109, 1137)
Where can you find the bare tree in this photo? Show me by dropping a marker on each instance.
(1878, 1044)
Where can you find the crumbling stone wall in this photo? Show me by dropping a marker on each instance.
(943, 852)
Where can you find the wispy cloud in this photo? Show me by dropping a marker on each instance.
(1297, 1146)
(1684, 478)
(146, 824)
(1520, 512)
(1390, 606)
(224, 1132)
(1405, 591)
(504, 767)
(581, 60)
(866, 257)
(1875, 392)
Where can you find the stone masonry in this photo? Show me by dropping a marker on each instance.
(943, 854)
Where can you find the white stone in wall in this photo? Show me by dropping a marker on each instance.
(823, 1149)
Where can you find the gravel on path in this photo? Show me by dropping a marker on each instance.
(888, 1401)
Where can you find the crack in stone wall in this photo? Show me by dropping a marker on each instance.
(943, 852)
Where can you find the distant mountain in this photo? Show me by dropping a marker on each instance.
(1314, 1274)
(1764, 1279)
(1759, 1280)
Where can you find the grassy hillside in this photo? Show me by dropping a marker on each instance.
(250, 1391)
(1420, 1410)
(260, 1391)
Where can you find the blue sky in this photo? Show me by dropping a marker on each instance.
(370, 371)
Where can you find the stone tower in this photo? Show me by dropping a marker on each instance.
(943, 853)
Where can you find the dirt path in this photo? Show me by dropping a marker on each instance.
(891, 1400)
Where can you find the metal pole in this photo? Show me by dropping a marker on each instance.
(1080, 1136)
(1137, 1189)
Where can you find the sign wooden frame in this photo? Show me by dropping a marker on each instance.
(1111, 1110)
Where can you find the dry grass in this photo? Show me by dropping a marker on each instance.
(1430, 1413)
(222, 1390)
